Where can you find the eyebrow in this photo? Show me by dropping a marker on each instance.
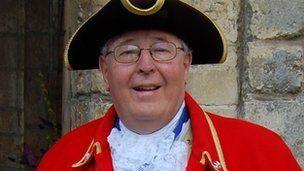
(162, 39)
(125, 41)
(131, 39)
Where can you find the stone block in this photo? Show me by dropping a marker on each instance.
(88, 81)
(224, 110)
(224, 12)
(98, 83)
(9, 147)
(70, 22)
(87, 108)
(38, 16)
(275, 69)
(231, 59)
(8, 88)
(80, 111)
(284, 117)
(9, 10)
(213, 84)
(37, 52)
(8, 52)
(99, 105)
(8, 121)
(99, 2)
(277, 19)
(94, 5)
(86, 8)
(81, 82)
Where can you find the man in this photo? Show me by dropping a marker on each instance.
(154, 124)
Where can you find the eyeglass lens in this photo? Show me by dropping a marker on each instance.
(131, 53)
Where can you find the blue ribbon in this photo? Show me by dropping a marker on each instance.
(183, 119)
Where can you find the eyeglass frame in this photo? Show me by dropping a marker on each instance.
(149, 49)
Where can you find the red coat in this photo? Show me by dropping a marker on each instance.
(219, 143)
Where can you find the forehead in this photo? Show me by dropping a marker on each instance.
(144, 35)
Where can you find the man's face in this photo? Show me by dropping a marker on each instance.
(146, 91)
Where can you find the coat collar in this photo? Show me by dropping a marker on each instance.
(206, 149)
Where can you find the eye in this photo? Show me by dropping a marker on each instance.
(161, 50)
(126, 50)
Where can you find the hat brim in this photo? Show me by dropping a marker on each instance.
(197, 30)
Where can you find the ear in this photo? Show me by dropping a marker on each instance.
(187, 64)
(103, 67)
(188, 61)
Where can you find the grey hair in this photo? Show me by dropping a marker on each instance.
(185, 46)
(105, 48)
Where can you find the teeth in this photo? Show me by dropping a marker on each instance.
(146, 88)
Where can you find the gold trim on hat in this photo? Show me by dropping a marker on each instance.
(135, 10)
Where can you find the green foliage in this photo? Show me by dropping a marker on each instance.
(51, 120)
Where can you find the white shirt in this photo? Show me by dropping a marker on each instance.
(157, 151)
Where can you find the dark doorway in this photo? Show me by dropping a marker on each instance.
(31, 37)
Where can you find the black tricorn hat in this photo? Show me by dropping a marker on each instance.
(197, 30)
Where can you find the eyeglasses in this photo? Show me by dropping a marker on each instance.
(163, 51)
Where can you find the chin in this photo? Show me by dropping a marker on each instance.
(147, 113)
(147, 117)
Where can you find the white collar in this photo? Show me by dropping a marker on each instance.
(155, 151)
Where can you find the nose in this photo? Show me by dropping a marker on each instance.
(145, 64)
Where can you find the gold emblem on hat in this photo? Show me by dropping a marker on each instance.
(149, 11)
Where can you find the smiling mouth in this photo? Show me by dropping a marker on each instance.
(146, 88)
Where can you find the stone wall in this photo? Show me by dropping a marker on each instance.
(262, 80)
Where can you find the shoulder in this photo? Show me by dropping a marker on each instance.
(252, 145)
(70, 147)
(244, 132)
(242, 128)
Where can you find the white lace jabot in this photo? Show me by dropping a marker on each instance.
(157, 151)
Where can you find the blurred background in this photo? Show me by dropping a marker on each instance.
(262, 80)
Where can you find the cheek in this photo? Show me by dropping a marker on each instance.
(174, 73)
(119, 76)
